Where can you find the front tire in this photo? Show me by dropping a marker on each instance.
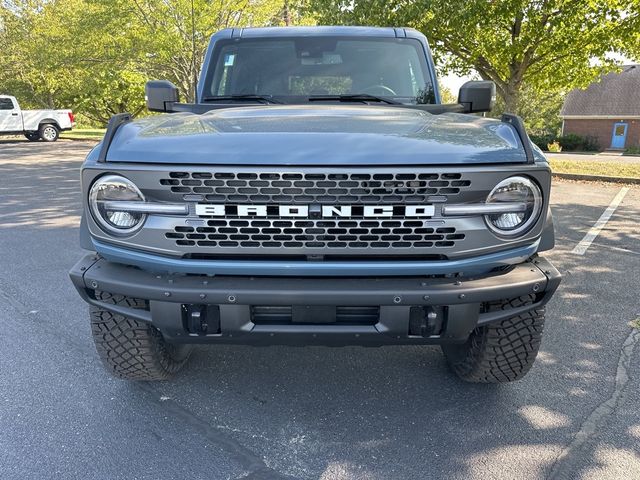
(48, 132)
(132, 349)
(499, 352)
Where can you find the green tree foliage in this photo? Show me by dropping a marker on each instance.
(173, 35)
(447, 96)
(539, 109)
(95, 55)
(70, 53)
(545, 45)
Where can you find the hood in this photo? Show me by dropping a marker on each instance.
(316, 135)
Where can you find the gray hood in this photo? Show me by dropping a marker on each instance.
(316, 135)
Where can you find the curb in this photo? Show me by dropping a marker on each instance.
(596, 178)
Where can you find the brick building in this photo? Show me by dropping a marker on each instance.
(608, 110)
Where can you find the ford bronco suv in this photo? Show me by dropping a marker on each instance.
(317, 192)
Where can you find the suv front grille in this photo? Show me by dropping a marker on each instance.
(344, 315)
(315, 234)
(338, 234)
(305, 188)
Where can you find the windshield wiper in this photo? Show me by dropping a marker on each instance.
(243, 98)
(353, 97)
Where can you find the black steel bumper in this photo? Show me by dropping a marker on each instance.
(302, 311)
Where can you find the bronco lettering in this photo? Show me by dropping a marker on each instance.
(328, 211)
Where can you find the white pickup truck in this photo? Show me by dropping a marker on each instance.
(33, 124)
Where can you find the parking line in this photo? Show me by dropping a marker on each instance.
(591, 235)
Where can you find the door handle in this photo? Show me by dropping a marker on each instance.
(14, 114)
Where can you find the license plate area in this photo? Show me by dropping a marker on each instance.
(313, 314)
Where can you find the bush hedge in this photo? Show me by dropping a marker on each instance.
(569, 143)
(542, 140)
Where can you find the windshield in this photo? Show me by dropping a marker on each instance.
(292, 70)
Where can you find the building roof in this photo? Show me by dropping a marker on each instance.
(615, 95)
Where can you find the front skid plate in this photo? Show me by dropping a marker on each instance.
(235, 295)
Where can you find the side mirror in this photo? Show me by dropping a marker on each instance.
(159, 93)
(477, 96)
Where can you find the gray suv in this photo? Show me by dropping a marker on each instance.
(317, 192)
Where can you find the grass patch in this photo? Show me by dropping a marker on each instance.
(609, 169)
(84, 134)
(635, 323)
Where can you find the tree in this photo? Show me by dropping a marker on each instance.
(539, 110)
(174, 34)
(95, 55)
(61, 53)
(547, 45)
(447, 95)
(633, 44)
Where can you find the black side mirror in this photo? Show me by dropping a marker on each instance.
(477, 96)
(159, 94)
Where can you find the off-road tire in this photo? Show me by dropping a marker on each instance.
(132, 349)
(48, 132)
(32, 136)
(499, 352)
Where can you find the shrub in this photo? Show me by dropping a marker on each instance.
(577, 143)
(591, 144)
(542, 141)
(632, 151)
(571, 142)
(554, 147)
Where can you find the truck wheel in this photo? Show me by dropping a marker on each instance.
(132, 349)
(48, 132)
(32, 136)
(499, 352)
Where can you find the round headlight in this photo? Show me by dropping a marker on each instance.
(103, 198)
(519, 190)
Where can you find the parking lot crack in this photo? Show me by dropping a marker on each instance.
(253, 464)
(569, 459)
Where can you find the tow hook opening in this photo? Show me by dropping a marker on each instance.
(201, 319)
(426, 321)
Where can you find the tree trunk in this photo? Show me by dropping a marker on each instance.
(511, 97)
(287, 13)
(511, 94)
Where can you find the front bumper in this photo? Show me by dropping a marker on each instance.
(476, 265)
(454, 306)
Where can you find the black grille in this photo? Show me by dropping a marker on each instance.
(316, 234)
(305, 188)
(344, 315)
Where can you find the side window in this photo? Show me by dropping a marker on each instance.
(6, 104)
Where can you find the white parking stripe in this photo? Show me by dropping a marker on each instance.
(591, 235)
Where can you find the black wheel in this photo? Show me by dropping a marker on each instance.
(502, 351)
(32, 136)
(48, 132)
(132, 349)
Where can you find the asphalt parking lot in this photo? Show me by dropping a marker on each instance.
(311, 413)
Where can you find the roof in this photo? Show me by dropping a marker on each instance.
(319, 31)
(615, 95)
